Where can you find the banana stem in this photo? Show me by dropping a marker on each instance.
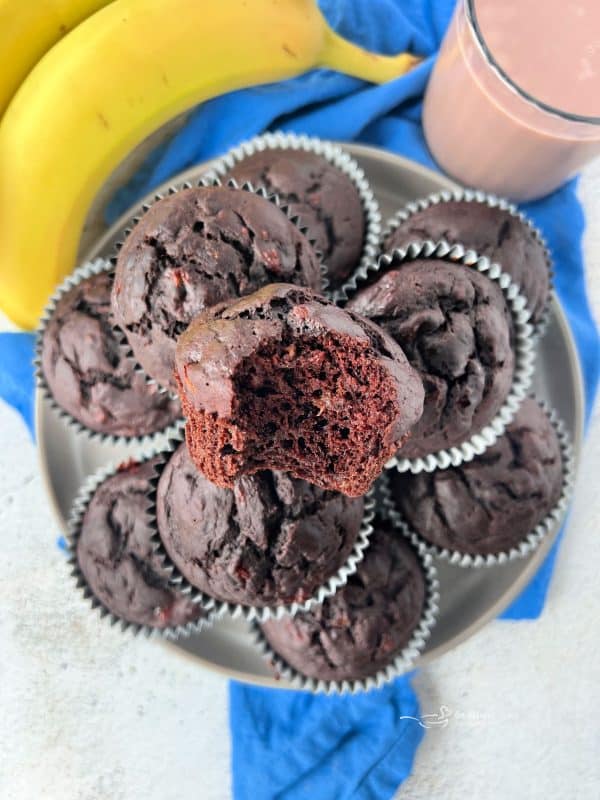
(343, 56)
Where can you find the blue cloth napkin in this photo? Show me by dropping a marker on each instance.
(16, 373)
(290, 745)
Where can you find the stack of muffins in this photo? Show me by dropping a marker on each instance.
(355, 406)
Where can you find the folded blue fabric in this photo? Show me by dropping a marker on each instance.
(291, 745)
(16, 373)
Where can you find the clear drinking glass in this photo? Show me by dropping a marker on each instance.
(488, 132)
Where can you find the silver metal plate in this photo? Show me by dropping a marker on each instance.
(469, 598)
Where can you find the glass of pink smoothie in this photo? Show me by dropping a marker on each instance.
(513, 104)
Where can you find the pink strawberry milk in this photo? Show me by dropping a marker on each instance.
(513, 104)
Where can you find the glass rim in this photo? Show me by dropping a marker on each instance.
(508, 81)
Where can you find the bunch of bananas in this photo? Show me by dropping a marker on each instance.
(84, 81)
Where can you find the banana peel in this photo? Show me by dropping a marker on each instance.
(28, 28)
(112, 81)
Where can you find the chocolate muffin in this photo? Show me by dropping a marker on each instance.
(488, 505)
(87, 372)
(491, 232)
(455, 328)
(286, 380)
(366, 624)
(271, 540)
(194, 249)
(115, 554)
(324, 197)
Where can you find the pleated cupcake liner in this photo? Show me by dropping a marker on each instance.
(83, 272)
(534, 538)
(492, 201)
(334, 155)
(75, 521)
(250, 612)
(211, 178)
(121, 337)
(402, 663)
(524, 348)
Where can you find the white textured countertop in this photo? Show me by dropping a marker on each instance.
(88, 714)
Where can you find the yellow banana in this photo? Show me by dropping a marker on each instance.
(28, 28)
(113, 80)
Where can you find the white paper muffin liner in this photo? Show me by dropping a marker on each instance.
(78, 509)
(126, 347)
(402, 663)
(80, 274)
(524, 348)
(334, 155)
(249, 612)
(209, 179)
(492, 201)
(533, 539)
